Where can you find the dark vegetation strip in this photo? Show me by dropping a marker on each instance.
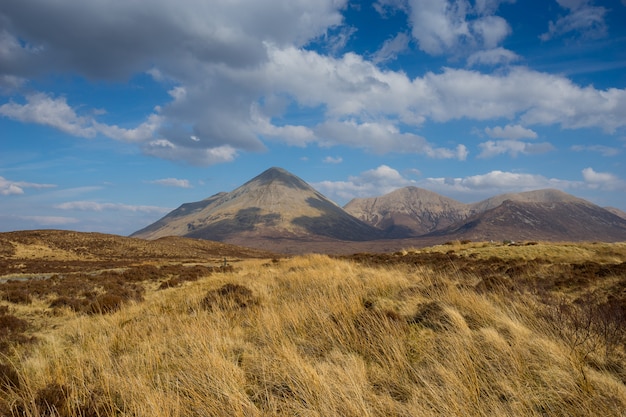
(96, 293)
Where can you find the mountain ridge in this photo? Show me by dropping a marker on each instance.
(280, 210)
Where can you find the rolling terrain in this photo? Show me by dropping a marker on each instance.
(472, 329)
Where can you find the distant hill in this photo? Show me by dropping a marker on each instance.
(274, 205)
(280, 212)
(408, 211)
(529, 220)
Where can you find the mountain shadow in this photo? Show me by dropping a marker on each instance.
(245, 220)
(334, 223)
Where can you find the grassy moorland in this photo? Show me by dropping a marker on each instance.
(470, 329)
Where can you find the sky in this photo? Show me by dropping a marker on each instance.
(115, 112)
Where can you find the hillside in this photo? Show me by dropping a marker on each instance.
(523, 220)
(29, 253)
(466, 329)
(542, 214)
(274, 205)
(408, 211)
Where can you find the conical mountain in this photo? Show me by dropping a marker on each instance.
(275, 204)
(408, 211)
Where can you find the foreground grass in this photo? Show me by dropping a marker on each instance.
(315, 336)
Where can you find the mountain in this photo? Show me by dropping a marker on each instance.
(548, 195)
(542, 214)
(279, 212)
(408, 211)
(531, 220)
(274, 205)
(617, 212)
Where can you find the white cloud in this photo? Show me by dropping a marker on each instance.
(493, 183)
(224, 65)
(443, 26)
(54, 112)
(163, 148)
(513, 148)
(373, 182)
(143, 132)
(96, 206)
(391, 48)
(8, 187)
(491, 30)
(43, 109)
(495, 56)
(333, 160)
(511, 132)
(603, 180)
(437, 25)
(172, 182)
(582, 19)
(382, 138)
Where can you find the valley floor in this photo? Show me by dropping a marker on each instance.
(472, 329)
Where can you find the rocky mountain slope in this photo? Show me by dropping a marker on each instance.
(274, 205)
(532, 220)
(542, 214)
(280, 212)
(409, 211)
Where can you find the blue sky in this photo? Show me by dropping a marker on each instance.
(114, 112)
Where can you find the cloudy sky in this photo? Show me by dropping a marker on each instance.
(113, 112)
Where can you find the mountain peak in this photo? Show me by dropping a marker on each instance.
(276, 174)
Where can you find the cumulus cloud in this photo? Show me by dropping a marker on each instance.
(172, 182)
(333, 160)
(373, 182)
(583, 19)
(96, 206)
(603, 180)
(224, 66)
(55, 112)
(493, 183)
(510, 132)
(8, 187)
(447, 26)
(513, 148)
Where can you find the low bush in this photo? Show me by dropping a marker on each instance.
(229, 297)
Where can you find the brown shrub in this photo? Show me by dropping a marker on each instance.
(229, 297)
(431, 315)
(9, 379)
(17, 296)
(105, 303)
(142, 273)
(51, 400)
(75, 304)
(12, 332)
(10, 324)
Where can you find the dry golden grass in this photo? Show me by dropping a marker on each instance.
(316, 336)
(556, 252)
